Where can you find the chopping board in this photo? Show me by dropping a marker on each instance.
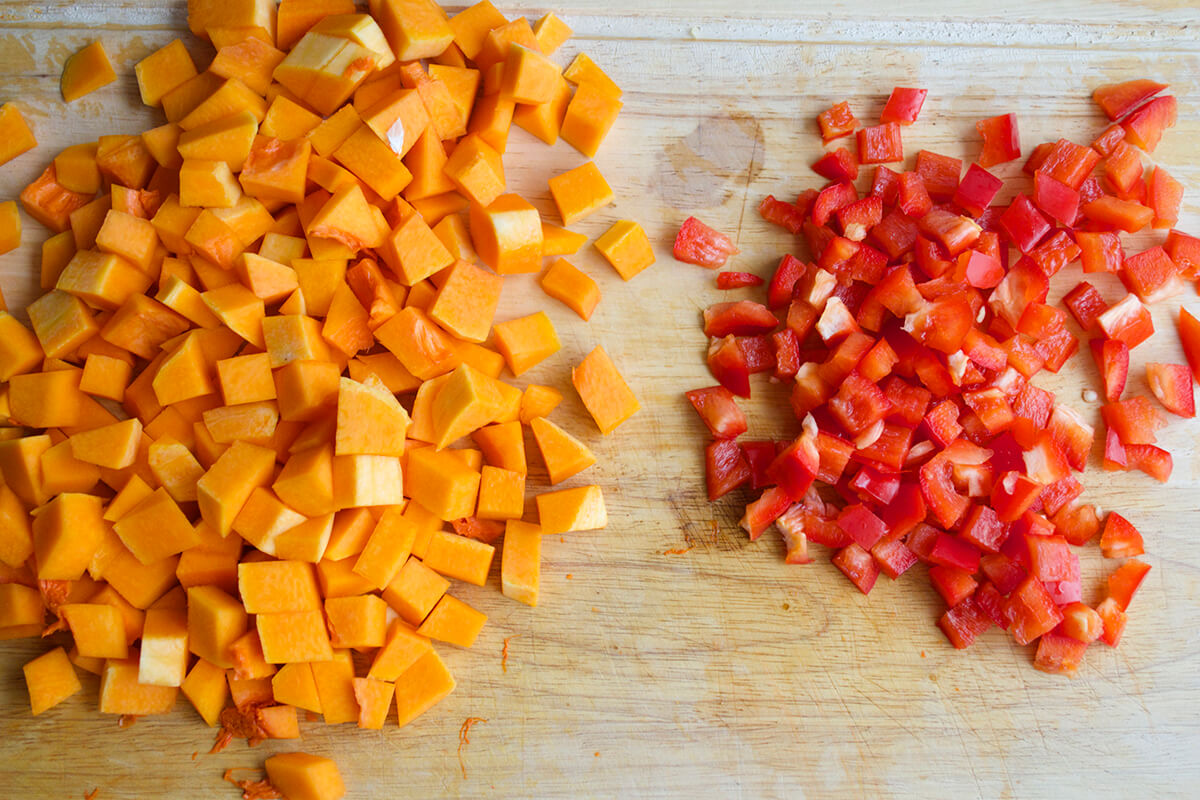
(719, 671)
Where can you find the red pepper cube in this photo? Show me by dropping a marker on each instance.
(891, 448)
(903, 106)
(1123, 167)
(1154, 461)
(1118, 99)
(1112, 359)
(787, 354)
(785, 215)
(1172, 385)
(829, 201)
(1001, 140)
(1189, 336)
(858, 404)
(861, 525)
(779, 290)
(758, 352)
(857, 219)
(1164, 195)
(1108, 139)
(1070, 163)
(696, 243)
(836, 122)
(983, 529)
(953, 584)
(880, 144)
(1072, 435)
(719, 411)
(725, 468)
(1115, 458)
(1055, 198)
(737, 280)
(1085, 304)
(952, 551)
(1120, 539)
(963, 623)
(762, 512)
(1113, 212)
(885, 185)
(727, 363)
(796, 467)
(1078, 524)
(1055, 253)
(1149, 274)
(1013, 494)
(858, 566)
(893, 557)
(740, 318)
(1003, 571)
(992, 408)
(1145, 126)
(912, 198)
(905, 512)
(872, 485)
(976, 191)
(835, 453)
(1058, 654)
(1113, 619)
(1124, 582)
(942, 499)
(1058, 494)
(759, 456)
(940, 174)
(1023, 224)
(1031, 610)
(1051, 559)
(1033, 403)
(1128, 321)
(1100, 251)
(895, 234)
(1134, 420)
(837, 165)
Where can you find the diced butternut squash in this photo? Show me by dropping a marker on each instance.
(568, 510)
(51, 203)
(471, 26)
(507, 234)
(590, 115)
(400, 651)
(294, 685)
(466, 301)
(113, 446)
(454, 622)
(520, 563)
(583, 70)
(15, 136)
(156, 528)
(20, 350)
(475, 167)
(50, 679)
(370, 419)
(164, 652)
(365, 480)
(121, 693)
(207, 690)
(459, 557)
(579, 192)
(551, 32)
(10, 227)
(335, 686)
(86, 71)
(565, 282)
(300, 776)
(358, 621)
(501, 494)
(414, 591)
(527, 341)
(66, 534)
(422, 686)
(97, 628)
(278, 586)
(294, 636)
(163, 70)
(604, 392)
(563, 454)
(627, 248)
(227, 485)
(440, 482)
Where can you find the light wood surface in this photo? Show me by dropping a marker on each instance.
(720, 672)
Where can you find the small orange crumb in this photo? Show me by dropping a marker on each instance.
(922, 654)
(194, 754)
(504, 652)
(253, 790)
(463, 738)
(569, 576)
(92, 794)
(596, 754)
(126, 720)
(677, 551)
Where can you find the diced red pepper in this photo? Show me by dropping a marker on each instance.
(1077, 524)
(836, 122)
(809, 391)
(791, 525)
(976, 190)
(895, 233)
(885, 185)
(725, 468)
(1082, 623)
(759, 456)
(787, 354)
(861, 525)
(1184, 251)
(845, 357)
(878, 362)
(1057, 348)
(1114, 453)
(912, 197)
(1128, 321)
(1113, 619)
(963, 623)
(1051, 559)
(1058, 494)
(953, 584)
(1118, 99)
(796, 467)
(1120, 539)
(1001, 140)
(782, 214)
(903, 106)
(859, 217)
(940, 174)
(1085, 304)
(1134, 420)
(954, 232)
(1023, 224)
(890, 449)
(1149, 274)
(942, 499)
(1031, 610)
(1112, 358)
(1154, 461)
(1055, 253)
(835, 453)
(766, 509)
(696, 243)
(719, 411)
(1045, 462)
(1037, 158)
(829, 201)
(1164, 195)
(893, 557)
(1107, 141)
(1145, 126)
(740, 318)
(1024, 284)
(1072, 435)
(858, 566)
(1113, 212)
(1058, 654)
(1070, 163)
(1055, 198)
(1100, 251)
(983, 530)
(1003, 571)
(1189, 337)
(1123, 167)
(727, 363)
(859, 404)
(1013, 494)
(1124, 582)
(779, 291)
(872, 485)
(737, 280)
(837, 165)
(1172, 385)
(880, 144)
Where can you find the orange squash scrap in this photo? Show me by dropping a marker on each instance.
(261, 417)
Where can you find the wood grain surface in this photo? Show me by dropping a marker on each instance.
(719, 672)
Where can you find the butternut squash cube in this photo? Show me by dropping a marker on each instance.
(356, 621)
(590, 115)
(98, 629)
(272, 587)
(529, 77)
(15, 136)
(442, 483)
(86, 71)
(374, 701)
(300, 776)
(156, 528)
(294, 636)
(215, 621)
(604, 392)
(563, 454)
(10, 227)
(501, 494)
(583, 70)
(370, 421)
(574, 288)
(66, 534)
(400, 651)
(422, 686)
(246, 379)
(566, 510)
(414, 252)
(475, 167)
(163, 70)
(579, 192)
(164, 653)
(520, 563)
(275, 169)
(50, 679)
(207, 183)
(507, 235)
(335, 686)
(364, 480)
(459, 557)
(627, 248)
(112, 446)
(294, 685)
(471, 26)
(121, 693)
(551, 32)
(263, 519)
(207, 690)
(454, 622)
(323, 70)
(527, 341)
(20, 350)
(503, 446)
(227, 485)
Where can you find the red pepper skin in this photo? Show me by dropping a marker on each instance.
(829, 201)
(1123, 167)
(1013, 494)
(1006, 573)
(1184, 251)
(836, 122)
(1124, 582)
(1077, 524)
(1154, 461)
(905, 512)
(1145, 126)
(1070, 163)
(976, 191)
(1058, 654)
(1189, 337)
(1085, 304)
(1134, 420)
(893, 557)
(1113, 212)
(795, 469)
(727, 363)
(1023, 224)
(951, 551)
(725, 468)
(880, 144)
(1113, 618)
(1055, 198)
(837, 165)
(1172, 385)
(719, 411)
(1118, 99)
(737, 280)
(1128, 321)
(765, 510)
(963, 623)
(861, 525)
(1107, 141)
(758, 352)
(857, 219)
(858, 566)
(740, 318)
(858, 404)
(953, 584)
(759, 456)
(1100, 251)
(785, 215)
(1051, 559)
(779, 291)
(787, 354)
(1120, 539)
(943, 501)
(1164, 195)
(940, 174)
(1148, 274)
(1031, 610)
(895, 234)
(698, 244)
(991, 603)
(983, 530)
(903, 106)
(1115, 458)
(885, 185)
(1112, 358)
(1001, 140)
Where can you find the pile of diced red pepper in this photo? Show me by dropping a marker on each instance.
(911, 340)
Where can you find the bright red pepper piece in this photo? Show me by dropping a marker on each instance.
(1124, 582)
(719, 411)
(880, 144)
(858, 566)
(737, 280)
(903, 106)
(1001, 140)
(1118, 99)
(698, 244)
(1145, 126)
(1120, 539)
(836, 122)
(1172, 385)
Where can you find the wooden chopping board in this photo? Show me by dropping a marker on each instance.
(719, 672)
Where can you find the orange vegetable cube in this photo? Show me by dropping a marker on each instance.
(415, 591)
(294, 685)
(50, 679)
(307, 541)
(121, 693)
(86, 221)
(604, 392)
(215, 621)
(227, 485)
(568, 510)
(627, 248)
(86, 71)
(398, 120)
(23, 614)
(207, 183)
(335, 686)
(400, 651)
(471, 26)
(273, 587)
(141, 325)
(15, 136)
(357, 621)
(440, 482)
(422, 686)
(467, 300)
(468, 400)
(293, 337)
(452, 231)
(501, 494)
(520, 563)
(49, 202)
(551, 32)
(503, 445)
(300, 776)
(249, 421)
(374, 701)
(76, 168)
(414, 252)
(496, 42)
(207, 690)
(124, 160)
(176, 468)
(10, 227)
(246, 379)
(163, 145)
(163, 70)
(306, 390)
(338, 578)
(263, 518)
(373, 162)
(508, 235)
(250, 60)
(387, 549)
(454, 622)
(67, 532)
(458, 557)
(579, 192)
(229, 97)
(240, 310)
(156, 528)
(590, 115)
(98, 629)
(475, 167)
(56, 252)
(414, 28)
(294, 636)
(183, 374)
(527, 341)
(335, 130)
(491, 119)
(102, 280)
(545, 120)
(288, 120)
(529, 77)
(352, 528)
(426, 160)
(366, 481)
(112, 446)
(348, 219)
(16, 535)
(563, 454)
(422, 347)
(62, 472)
(164, 654)
(583, 70)
(565, 282)
(369, 419)
(226, 139)
(306, 481)
(20, 350)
